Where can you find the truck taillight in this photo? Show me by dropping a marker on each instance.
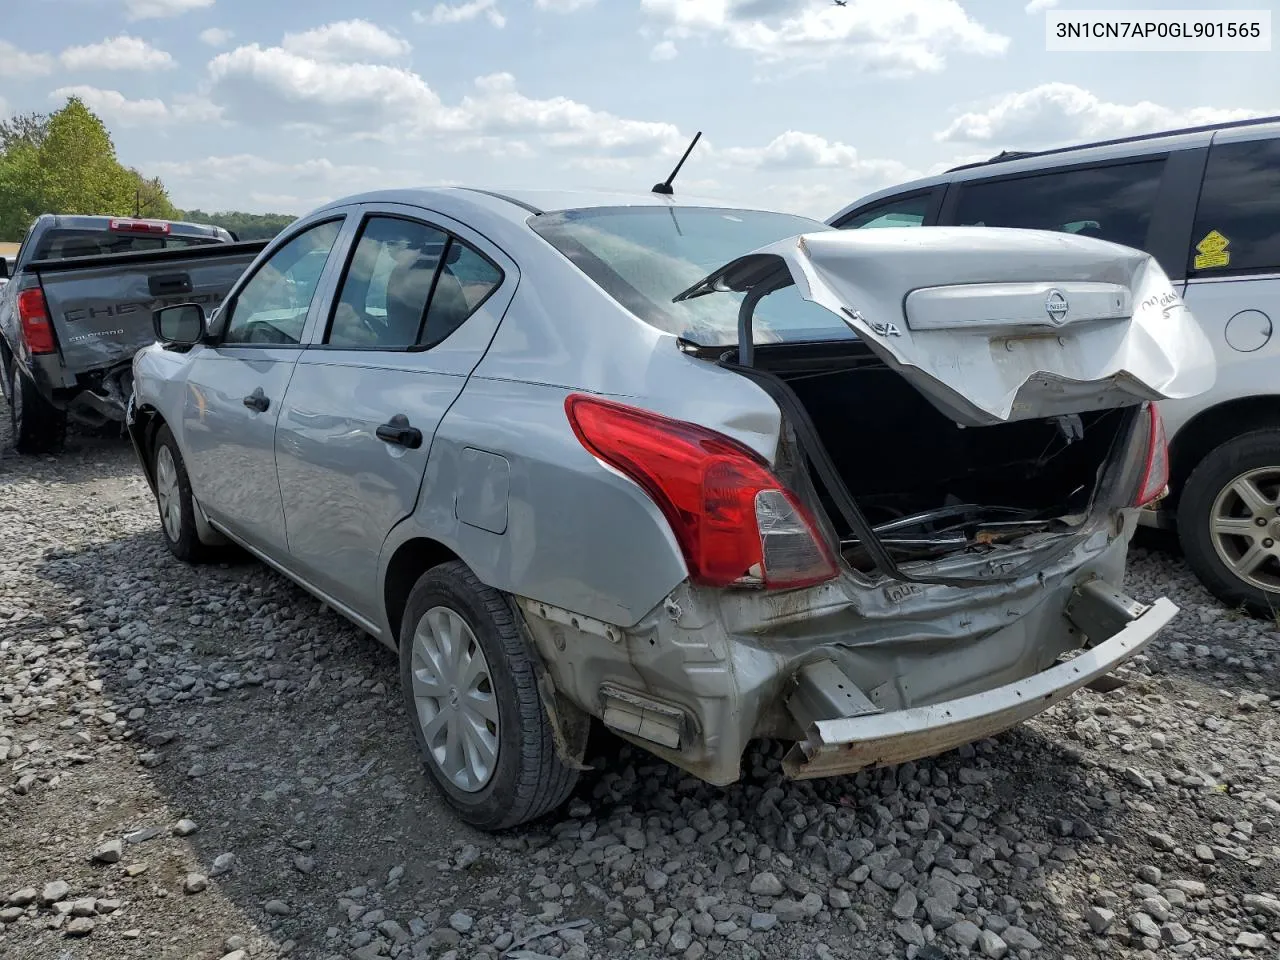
(734, 520)
(1155, 471)
(138, 226)
(33, 321)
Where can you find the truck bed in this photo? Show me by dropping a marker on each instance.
(101, 306)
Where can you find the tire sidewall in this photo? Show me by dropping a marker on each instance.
(1206, 482)
(442, 588)
(187, 544)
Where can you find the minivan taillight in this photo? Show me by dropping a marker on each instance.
(735, 522)
(33, 321)
(1155, 472)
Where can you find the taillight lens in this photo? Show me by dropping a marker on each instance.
(734, 521)
(33, 319)
(1155, 472)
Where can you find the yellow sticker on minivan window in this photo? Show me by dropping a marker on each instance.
(1212, 251)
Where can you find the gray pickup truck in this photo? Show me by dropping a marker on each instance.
(78, 305)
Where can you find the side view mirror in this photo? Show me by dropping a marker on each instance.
(182, 325)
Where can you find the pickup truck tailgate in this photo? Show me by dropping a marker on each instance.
(101, 306)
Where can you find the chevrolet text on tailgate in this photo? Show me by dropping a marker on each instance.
(702, 475)
(79, 305)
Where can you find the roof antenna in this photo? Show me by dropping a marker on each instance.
(664, 187)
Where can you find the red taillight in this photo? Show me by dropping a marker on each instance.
(33, 319)
(733, 519)
(138, 226)
(1155, 472)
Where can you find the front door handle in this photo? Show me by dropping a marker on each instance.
(397, 431)
(257, 401)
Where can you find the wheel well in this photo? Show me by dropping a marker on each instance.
(150, 420)
(411, 560)
(1215, 426)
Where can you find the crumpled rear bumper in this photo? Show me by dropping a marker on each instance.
(845, 744)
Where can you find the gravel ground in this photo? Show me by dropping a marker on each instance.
(205, 763)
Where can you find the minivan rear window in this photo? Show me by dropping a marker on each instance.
(1238, 219)
(1113, 202)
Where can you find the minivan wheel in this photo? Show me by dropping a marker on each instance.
(469, 683)
(174, 503)
(38, 426)
(1229, 522)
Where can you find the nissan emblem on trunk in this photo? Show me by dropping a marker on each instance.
(1055, 304)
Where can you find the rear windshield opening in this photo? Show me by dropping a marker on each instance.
(61, 244)
(645, 256)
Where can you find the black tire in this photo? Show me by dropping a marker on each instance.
(1250, 451)
(186, 545)
(528, 778)
(37, 425)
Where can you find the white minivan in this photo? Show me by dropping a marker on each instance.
(1205, 202)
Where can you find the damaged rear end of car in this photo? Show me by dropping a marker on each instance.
(935, 551)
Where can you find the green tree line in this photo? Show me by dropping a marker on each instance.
(65, 162)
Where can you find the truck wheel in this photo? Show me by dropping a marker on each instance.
(1229, 522)
(469, 683)
(38, 426)
(173, 500)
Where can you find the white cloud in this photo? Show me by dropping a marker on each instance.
(443, 13)
(160, 9)
(1060, 113)
(115, 108)
(666, 50)
(794, 150)
(273, 86)
(15, 62)
(117, 53)
(1036, 6)
(347, 40)
(216, 36)
(899, 38)
(564, 6)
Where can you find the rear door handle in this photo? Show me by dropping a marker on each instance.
(397, 431)
(257, 401)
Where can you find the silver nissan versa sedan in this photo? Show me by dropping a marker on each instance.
(699, 474)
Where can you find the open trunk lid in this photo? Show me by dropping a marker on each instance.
(992, 325)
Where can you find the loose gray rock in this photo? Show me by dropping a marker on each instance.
(992, 945)
(109, 852)
(54, 891)
(1099, 919)
(80, 927)
(185, 827)
(460, 922)
(1143, 925)
(766, 885)
(196, 883)
(277, 908)
(964, 932)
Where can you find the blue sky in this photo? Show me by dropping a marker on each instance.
(804, 106)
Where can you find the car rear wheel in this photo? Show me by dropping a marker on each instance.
(38, 426)
(469, 683)
(174, 503)
(1229, 522)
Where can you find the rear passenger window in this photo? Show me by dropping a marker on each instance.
(466, 280)
(1238, 219)
(1112, 203)
(387, 284)
(408, 284)
(901, 212)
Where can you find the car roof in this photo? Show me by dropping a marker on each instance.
(1013, 162)
(518, 204)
